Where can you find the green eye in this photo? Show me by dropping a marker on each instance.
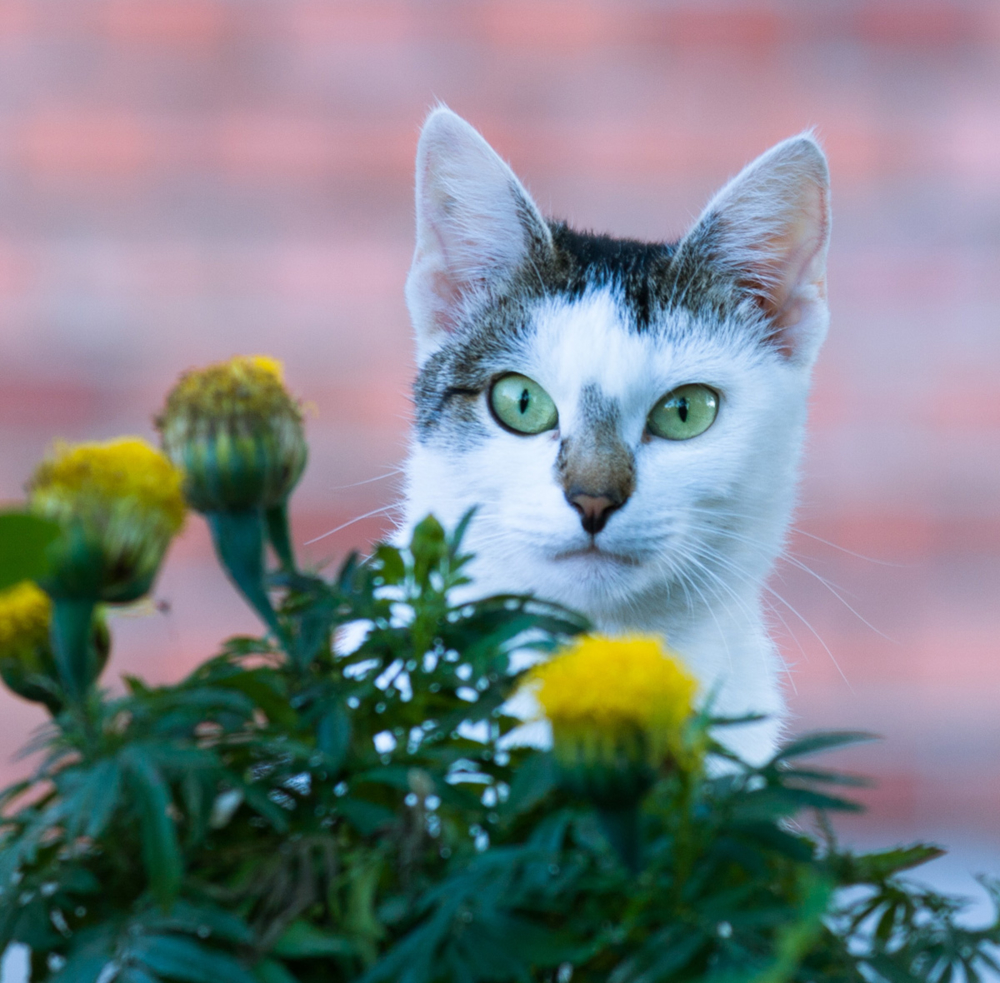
(521, 405)
(684, 412)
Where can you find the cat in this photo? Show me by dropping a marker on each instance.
(626, 417)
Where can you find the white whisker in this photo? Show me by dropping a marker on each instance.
(350, 522)
(367, 481)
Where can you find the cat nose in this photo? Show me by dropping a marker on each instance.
(595, 510)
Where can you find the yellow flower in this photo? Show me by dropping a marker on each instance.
(119, 504)
(618, 709)
(236, 434)
(27, 663)
(25, 617)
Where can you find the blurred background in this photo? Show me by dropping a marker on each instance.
(182, 180)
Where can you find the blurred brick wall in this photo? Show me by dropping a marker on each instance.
(181, 180)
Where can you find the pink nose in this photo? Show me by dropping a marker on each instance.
(594, 510)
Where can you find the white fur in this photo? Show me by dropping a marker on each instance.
(469, 229)
(687, 555)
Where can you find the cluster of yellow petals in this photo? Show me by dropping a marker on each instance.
(245, 384)
(614, 686)
(25, 616)
(236, 433)
(127, 471)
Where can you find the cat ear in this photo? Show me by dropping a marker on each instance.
(770, 227)
(476, 225)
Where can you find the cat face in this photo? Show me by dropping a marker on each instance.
(625, 417)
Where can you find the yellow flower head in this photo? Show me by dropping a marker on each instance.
(120, 504)
(27, 665)
(236, 433)
(25, 617)
(27, 662)
(615, 704)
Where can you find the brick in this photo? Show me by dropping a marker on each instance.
(552, 26)
(915, 23)
(165, 21)
(15, 19)
(280, 149)
(32, 404)
(349, 22)
(85, 142)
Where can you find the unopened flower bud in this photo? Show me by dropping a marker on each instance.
(236, 433)
(119, 504)
(618, 709)
(27, 662)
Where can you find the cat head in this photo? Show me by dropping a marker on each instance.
(625, 416)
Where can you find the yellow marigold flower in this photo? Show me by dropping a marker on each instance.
(618, 708)
(236, 433)
(27, 663)
(119, 504)
(25, 617)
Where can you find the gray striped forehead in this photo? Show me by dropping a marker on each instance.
(597, 412)
(647, 291)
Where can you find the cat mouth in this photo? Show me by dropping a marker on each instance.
(594, 553)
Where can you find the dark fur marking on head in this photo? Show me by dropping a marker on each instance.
(649, 280)
(634, 269)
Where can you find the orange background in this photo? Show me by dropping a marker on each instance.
(181, 180)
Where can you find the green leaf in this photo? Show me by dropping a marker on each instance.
(389, 562)
(823, 741)
(333, 737)
(366, 817)
(662, 957)
(174, 957)
(202, 920)
(93, 795)
(533, 781)
(272, 971)
(265, 689)
(24, 542)
(135, 974)
(879, 865)
(304, 941)
(85, 962)
(161, 852)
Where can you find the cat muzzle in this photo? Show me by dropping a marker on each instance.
(594, 510)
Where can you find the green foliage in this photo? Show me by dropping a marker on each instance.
(24, 542)
(291, 813)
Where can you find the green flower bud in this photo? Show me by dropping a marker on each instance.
(618, 709)
(237, 435)
(27, 662)
(119, 504)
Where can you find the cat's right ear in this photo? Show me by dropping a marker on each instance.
(476, 225)
(769, 229)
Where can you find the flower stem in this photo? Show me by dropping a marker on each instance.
(621, 827)
(239, 544)
(72, 628)
(279, 536)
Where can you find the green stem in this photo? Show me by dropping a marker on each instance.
(239, 544)
(72, 634)
(278, 534)
(684, 849)
(621, 827)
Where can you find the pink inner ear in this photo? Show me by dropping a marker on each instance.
(790, 279)
(448, 298)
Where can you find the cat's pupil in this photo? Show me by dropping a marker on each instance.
(523, 402)
(682, 409)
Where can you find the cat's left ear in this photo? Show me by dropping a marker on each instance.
(769, 229)
(476, 225)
